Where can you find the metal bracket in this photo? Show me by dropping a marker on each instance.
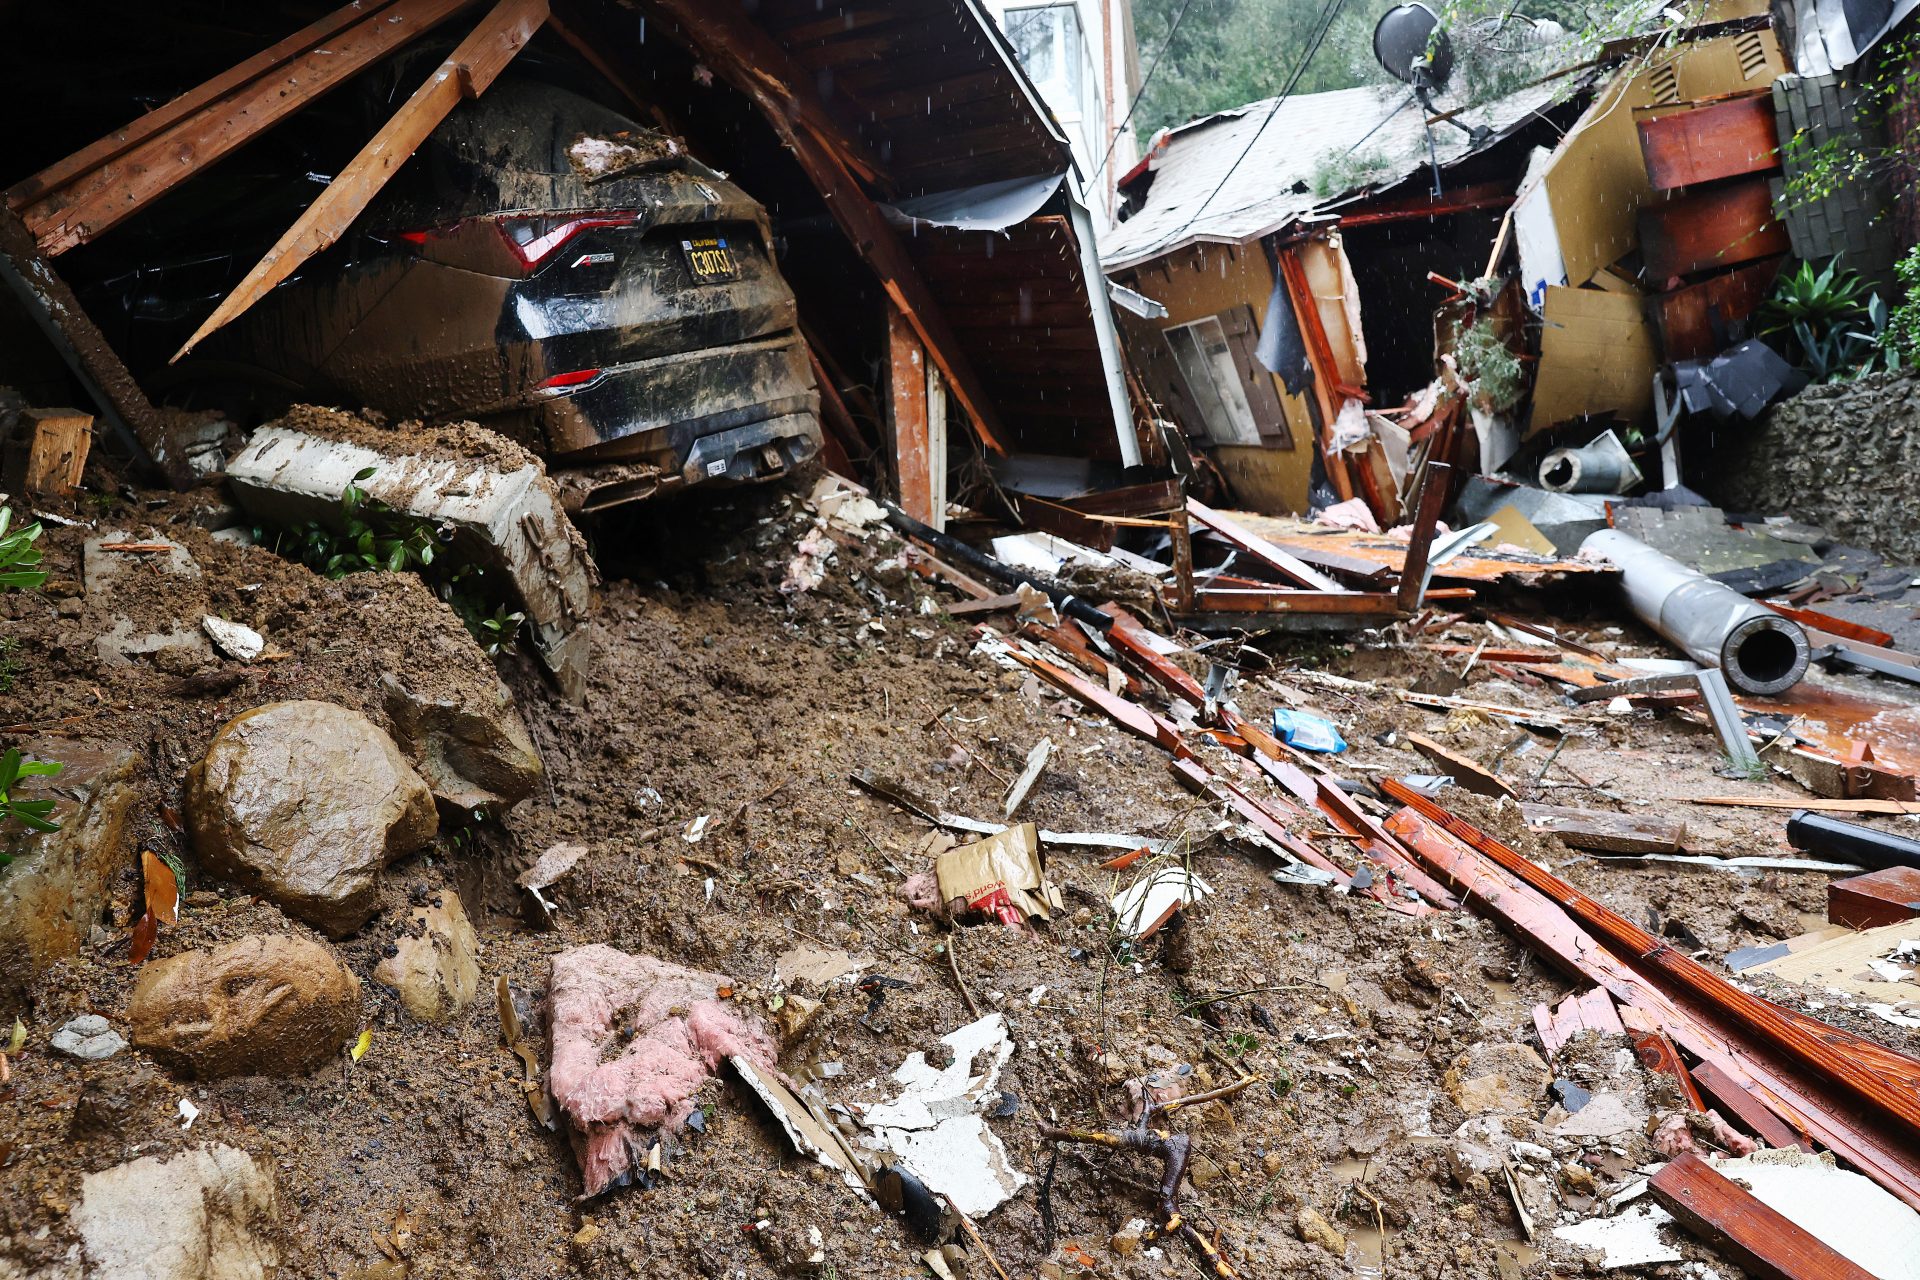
(1713, 692)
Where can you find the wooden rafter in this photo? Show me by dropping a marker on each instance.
(728, 42)
(76, 199)
(466, 73)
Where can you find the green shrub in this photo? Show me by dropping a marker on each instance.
(34, 815)
(18, 555)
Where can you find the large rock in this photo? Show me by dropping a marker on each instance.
(306, 802)
(269, 1004)
(473, 751)
(205, 1214)
(434, 965)
(53, 892)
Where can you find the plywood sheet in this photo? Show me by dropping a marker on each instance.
(1596, 356)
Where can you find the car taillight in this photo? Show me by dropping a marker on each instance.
(511, 244)
(564, 381)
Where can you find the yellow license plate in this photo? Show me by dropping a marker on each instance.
(710, 260)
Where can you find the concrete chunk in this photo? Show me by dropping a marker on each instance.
(508, 521)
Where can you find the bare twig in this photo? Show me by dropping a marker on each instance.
(953, 964)
(975, 756)
(973, 1232)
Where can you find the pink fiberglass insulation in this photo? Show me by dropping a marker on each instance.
(634, 1038)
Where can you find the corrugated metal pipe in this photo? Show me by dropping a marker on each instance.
(1759, 651)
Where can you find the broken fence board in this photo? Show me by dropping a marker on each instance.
(1760, 1239)
(1605, 832)
(1748, 1111)
(1480, 781)
(1796, 1060)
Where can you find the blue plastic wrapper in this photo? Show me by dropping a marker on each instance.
(1307, 732)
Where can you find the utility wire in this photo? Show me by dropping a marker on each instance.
(1142, 91)
(1331, 13)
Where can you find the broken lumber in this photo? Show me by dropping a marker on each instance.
(466, 73)
(1590, 1010)
(73, 201)
(57, 445)
(1260, 550)
(1480, 781)
(1738, 1101)
(1872, 1118)
(1605, 832)
(1434, 488)
(1886, 896)
(1763, 1241)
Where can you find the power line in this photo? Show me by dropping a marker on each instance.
(1141, 92)
(1331, 12)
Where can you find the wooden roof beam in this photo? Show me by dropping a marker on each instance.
(466, 73)
(722, 36)
(73, 201)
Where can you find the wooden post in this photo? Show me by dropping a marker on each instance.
(937, 447)
(907, 417)
(1433, 500)
(466, 73)
(58, 440)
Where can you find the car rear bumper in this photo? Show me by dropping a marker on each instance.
(656, 409)
(758, 451)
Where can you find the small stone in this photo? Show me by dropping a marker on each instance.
(795, 1015)
(1127, 1239)
(434, 964)
(88, 1037)
(1507, 1078)
(1315, 1229)
(205, 1214)
(268, 1004)
(1272, 1163)
(235, 640)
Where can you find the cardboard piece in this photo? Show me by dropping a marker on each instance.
(1000, 876)
(1596, 356)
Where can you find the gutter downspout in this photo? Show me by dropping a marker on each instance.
(1105, 330)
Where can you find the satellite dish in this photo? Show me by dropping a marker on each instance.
(1410, 44)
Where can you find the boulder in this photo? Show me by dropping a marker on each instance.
(306, 802)
(433, 965)
(205, 1214)
(53, 892)
(268, 1004)
(473, 750)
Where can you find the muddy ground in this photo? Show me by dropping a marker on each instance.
(716, 695)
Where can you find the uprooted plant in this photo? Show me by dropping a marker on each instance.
(372, 536)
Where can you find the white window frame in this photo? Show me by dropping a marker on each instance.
(1205, 359)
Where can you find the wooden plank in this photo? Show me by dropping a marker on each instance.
(1482, 782)
(1433, 500)
(992, 604)
(57, 445)
(1833, 626)
(726, 40)
(466, 73)
(1241, 600)
(1886, 896)
(1884, 1085)
(1606, 832)
(1657, 1054)
(1763, 1241)
(907, 419)
(1708, 230)
(73, 201)
(1747, 1111)
(1705, 141)
(1150, 499)
(1863, 805)
(1697, 321)
(1286, 564)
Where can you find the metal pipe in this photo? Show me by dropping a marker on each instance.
(1759, 651)
(1063, 600)
(1850, 841)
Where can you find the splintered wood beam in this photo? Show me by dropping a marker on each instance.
(1433, 500)
(1260, 550)
(913, 462)
(728, 42)
(466, 73)
(76, 199)
(1762, 1240)
(1885, 1081)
